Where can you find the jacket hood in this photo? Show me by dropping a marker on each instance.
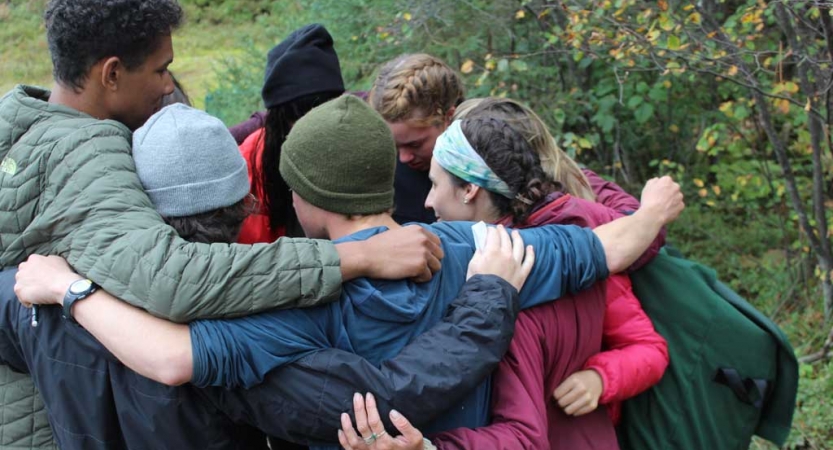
(400, 301)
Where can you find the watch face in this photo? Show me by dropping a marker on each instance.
(80, 286)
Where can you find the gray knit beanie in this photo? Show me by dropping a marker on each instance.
(188, 162)
(341, 158)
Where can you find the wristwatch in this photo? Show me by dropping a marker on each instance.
(78, 290)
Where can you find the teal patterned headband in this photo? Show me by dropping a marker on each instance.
(454, 154)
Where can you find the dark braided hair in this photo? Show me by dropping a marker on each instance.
(514, 161)
(266, 176)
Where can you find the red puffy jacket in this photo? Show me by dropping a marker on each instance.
(256, 227)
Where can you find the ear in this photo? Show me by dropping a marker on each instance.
(471, 192)
(111, 70)
(449, 115)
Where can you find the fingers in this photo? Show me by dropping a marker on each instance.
(492, 239)
(529, 262)
(361, 416)
(505, 240)
(373, 419)
(568, 391)
(588, 408)
(347, 436)
(562, 389)
(574, 398)
(582, 401)
(433, 238)
(517, 247)
(411, 434)
(424, 276)
(433, 263)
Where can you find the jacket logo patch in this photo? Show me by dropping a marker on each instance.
(8, 166)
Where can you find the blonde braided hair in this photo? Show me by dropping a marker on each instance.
(555, 162)
(418, 88)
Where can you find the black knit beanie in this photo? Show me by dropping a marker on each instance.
(341, 158)
(304, 63)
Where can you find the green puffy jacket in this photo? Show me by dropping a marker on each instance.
(68, 187)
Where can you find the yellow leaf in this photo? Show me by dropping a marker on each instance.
(688, 7)
(491, 64)
(716, 189)
(711, 203)
(807, 106)
(695, 18)
(698, 182)
(733, 71)
(407, 16)
(467, 67)
(666, 84)
(520, 14)
(674, 128)
(783, 106)
(663, 5)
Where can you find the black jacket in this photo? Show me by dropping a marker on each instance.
(95, 402)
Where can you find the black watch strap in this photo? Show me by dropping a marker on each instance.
(78, 290)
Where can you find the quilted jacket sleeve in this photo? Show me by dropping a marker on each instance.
(94, 207)
(636, 356)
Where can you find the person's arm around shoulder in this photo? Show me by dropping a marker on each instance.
(153, 347)
(625, 239)
(112, 234)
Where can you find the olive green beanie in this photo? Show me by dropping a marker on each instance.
(341, 158)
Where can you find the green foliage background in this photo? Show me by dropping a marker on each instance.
(628, 107)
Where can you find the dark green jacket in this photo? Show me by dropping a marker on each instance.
(68, 187)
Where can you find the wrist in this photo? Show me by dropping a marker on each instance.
(649, 218)
(352, 260)
(60, 289)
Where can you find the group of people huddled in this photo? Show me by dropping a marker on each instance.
(315, 275)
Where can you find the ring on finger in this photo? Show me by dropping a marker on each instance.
(380, 434)
(371, 439)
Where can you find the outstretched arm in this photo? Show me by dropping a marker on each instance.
(99, 218)
(432, 373)
(625, 239)
(153, 347)
(303, 401)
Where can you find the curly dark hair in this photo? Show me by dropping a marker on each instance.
(266, 176)
(82, 32)
(514, 161)
(221, 225)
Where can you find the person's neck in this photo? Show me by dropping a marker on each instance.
(79, 101)
(345, 226)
